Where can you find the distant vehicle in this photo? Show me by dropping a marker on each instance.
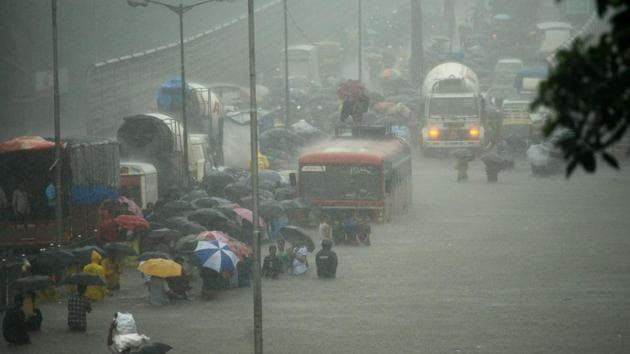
(330, 56)
(156, 139)
(139, 182)
(553, 35)
(89, 176)
(505, 71)
(367, 175)
(303, 62)
(528, 80)
(452, 108)
(516, 122)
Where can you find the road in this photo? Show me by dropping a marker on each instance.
(522, 266)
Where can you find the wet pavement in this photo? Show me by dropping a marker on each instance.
(521, 266)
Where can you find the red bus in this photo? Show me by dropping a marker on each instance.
(370, 176)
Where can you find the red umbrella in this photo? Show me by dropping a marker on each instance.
(132, 222)
(241, 249)
(247, 215)
(26, 143)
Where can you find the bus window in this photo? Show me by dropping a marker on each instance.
(341, 182)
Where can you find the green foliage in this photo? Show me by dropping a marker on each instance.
(589, 91)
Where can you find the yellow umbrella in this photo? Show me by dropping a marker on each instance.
(162, 268)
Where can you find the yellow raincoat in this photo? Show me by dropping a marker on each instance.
(95, 292)
(112, 273)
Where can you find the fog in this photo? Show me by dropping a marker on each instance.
(454, 226)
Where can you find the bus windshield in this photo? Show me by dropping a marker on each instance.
(451, 106)
(341, 182)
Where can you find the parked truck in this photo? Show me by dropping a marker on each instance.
(452, 109)
(90, 175)
(155, 139)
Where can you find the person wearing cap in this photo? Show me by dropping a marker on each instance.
(326, 261)
(95, 292)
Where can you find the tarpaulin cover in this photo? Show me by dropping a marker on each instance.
(94, 162)
(92, 194)
(26, 143)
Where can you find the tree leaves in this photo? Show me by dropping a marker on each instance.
(589, 93)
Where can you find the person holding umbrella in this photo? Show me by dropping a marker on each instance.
(78, 307)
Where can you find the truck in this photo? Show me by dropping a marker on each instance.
(205, 111)
(90, 175)
(452, 109)
(155, 139)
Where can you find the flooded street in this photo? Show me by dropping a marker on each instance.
(525, 265)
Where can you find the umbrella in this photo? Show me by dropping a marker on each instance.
(240, 248)
(54, 259)
(85, 279)
(215, 181)
(208, 217)
(285, 193)
(216, 255)
(132, 222)
(83, 254)
(464, 154)
(153, 254)
(502, 17)
(187, 243)
(204, 203)
(270, 209)
(120, 248)
(296, 235)
(165, 233)
(269, 176)
(247, 215)
(161, 268)
(222, 201)
(32, 282)
(154, 348)
(236, 191)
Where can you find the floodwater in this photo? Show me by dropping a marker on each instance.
(521, 266)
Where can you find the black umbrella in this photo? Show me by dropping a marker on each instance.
(297, 236)
(270, 209)
(208, 217)
(154, 348)
(165, 233)
(85, 279)
(195, 194)
(52, 260)
(285, 193)
(83, 254)
(153, 254)
(235, 191)
(204, 203)
(32, 282)
(119, 248)
(215, 181)
(186, 243)
(222, 201)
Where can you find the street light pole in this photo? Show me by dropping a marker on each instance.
(180, 10)
(180, 14)
(286, 65)
(253, 121)
(360, 39)
(57, 124)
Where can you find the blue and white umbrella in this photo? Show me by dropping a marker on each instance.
(216, 255)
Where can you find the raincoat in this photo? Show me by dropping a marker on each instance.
(95, 292)
(112, 273)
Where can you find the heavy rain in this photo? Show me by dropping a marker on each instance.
(301, 176)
